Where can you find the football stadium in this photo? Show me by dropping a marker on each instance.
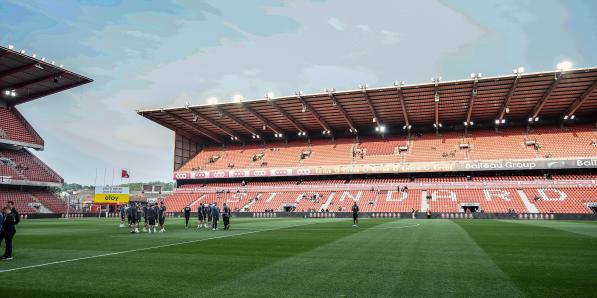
(483, 185)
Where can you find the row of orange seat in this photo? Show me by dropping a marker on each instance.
(13, 128)
(547, 199)
(508, 143)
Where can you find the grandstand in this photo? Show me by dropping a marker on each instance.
(520, 143)
(24, 178)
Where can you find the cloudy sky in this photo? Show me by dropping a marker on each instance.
(151, 54)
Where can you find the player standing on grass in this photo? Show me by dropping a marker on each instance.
(152, 214)
(200, 215)
(209, 217)
(132, 217)
(8, 231)
(226, 217)
(187, 216)
(145, 224)
(355, 215)
(215, 216)
(122, 216)
(162, 216)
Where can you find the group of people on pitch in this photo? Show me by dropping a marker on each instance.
(209, 215)
(9, 218)
(151, 213)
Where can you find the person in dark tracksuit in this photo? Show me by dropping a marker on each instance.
(122, 216)
(14, 211)
(208, 215)
(226, 217)
(215, 216)
(132, 217)
(162, 216)
(200, 216)
(355, 215)
(8, 232)
(145, 224)
(187, 216)
(152, 215)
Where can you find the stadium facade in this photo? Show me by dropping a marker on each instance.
(24, 178)
(519, 143)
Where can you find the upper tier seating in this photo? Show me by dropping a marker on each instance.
(22, 165)
(508, 143)
(14, 128)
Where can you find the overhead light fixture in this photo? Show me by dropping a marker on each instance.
(565, 117)
(440, 125)
(497, 121)
(237, 98)
(34, 55)
(23, 51)
(39, 66)
(364, 86)
(518, 70)
(212, 100)
(10, 47)
(7, 92)
(536, 119)
(13, 93)
(475, 75)
(503, 121)
(530, 119)
(43, 59)
(572, 117)
(564, 65)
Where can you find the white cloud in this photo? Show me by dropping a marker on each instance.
(336, 24)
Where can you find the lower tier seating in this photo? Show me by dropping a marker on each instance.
(33, 200)
(502, 200)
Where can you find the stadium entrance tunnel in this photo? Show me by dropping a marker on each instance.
(472, 207)
(593, 207)
(289, 207)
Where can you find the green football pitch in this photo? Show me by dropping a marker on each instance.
(295, 257)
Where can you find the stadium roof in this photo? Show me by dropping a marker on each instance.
(24, 78)
(561, 94)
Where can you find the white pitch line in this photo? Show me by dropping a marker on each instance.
(144, 249)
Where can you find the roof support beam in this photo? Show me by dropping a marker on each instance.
(266, 122)
(541, 103)
(318, 118)
(169, 126)
(195, 127)
(30, 97)
(223, 128)
(34, 81)
(436, 102)
(244, 125)
(287, 116)
(370, 104)
(580, 100)
(342, 111)
(402, 105)
(509, 97)
(471, 102)
(16, 70)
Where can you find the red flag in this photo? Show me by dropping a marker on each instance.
(125, 174)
